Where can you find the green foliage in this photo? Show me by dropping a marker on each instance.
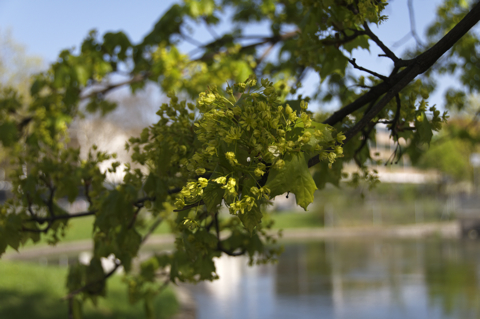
(238, 143)
(450, 150)
(450, 157)
(293, 177)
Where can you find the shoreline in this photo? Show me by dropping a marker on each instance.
(449, 229)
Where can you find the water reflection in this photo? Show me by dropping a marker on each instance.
(368, 278)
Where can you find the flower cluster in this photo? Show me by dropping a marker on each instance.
(241, 139)
(222, 148)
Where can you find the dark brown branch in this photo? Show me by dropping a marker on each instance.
(31, 230)
(50, 220)
(219, 242)
(60, 217)
(346, 39)
(29, 208)
(70, 308)
(117, 265)
(86, 186)
(24, 122)
(207, 56)
(265, 54)
(371, 95)
(356, 66)
(366, 135)
(152, 229)
(88, 285)
(135, 78)
(138, 203)
(49, 202)
(134, 218)
(388, 53)
(273, 40)
(419, 65)
(398, 81)
(199, 203)
(397, 115)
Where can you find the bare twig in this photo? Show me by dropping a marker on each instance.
(134, 79)
(118, 263)
(413, 28)
(219, 242)
(356, 66)
(90, 284)
(388, 53)
(366, 134)
(210, 29)
(199, 203)
(86, 186)
(152, 229)
(188, 38)
(397, 116)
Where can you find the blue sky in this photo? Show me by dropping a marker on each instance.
(47, 27)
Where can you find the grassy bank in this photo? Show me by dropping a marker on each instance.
(33, 291)
(81, 229)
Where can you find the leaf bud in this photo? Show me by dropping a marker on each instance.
(288, 110)
(341, 137)
(203, 182)
(200, 171)
(269, 90)
(220, 180)
(280, 164)
(303, 105)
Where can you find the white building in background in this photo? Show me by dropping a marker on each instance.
(402, 172)
(388, 171)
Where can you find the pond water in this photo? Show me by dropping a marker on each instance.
(355, 278)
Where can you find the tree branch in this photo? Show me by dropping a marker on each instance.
(135, 78)
(60, 217)
(199, 203)
(88, 285)
(396, 82)
(273, 40)
(219, 242)
(419, 65)
(356, 66)
(388, 53)
(413, 28)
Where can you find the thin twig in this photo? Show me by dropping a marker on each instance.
(152, 229)
(86, 184)
(397, 116)
(388, 53)
(210, 29)
(135, 78)
(191, 40)
(219, 242)
(88, 285)
(199, 203)
(356, 66)
(413, 28)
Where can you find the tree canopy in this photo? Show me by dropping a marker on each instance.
(235, 133)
